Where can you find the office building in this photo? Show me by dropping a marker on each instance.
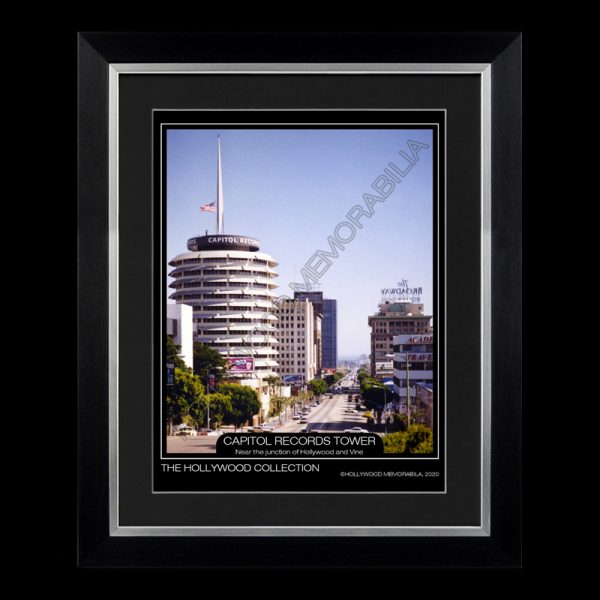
(295, 334)
(393, 318)
(328, 308)
(413, 370)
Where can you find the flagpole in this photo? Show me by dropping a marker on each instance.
(219, 189)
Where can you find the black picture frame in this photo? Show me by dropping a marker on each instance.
(96, 546)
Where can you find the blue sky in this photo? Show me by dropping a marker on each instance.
(290, 188)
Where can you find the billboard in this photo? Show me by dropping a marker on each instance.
(380, 366)
(293, 379)
(244, 364)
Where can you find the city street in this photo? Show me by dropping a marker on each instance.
(333, 414)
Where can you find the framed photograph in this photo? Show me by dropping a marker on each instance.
(302, 291)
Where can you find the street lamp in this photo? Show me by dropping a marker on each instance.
(385, 408)
(407, 391)
(208, 372)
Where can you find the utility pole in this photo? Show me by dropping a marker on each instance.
(207, 400)
(407, 392)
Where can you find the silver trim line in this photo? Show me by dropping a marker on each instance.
(484, 70)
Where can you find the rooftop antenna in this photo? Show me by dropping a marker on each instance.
(219, 189)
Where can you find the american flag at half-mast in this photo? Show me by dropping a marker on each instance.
(208, 207)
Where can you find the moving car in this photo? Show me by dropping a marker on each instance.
(356, 430)
(303, 420)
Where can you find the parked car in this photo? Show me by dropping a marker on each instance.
(303, 420)
(295, 417)
(186, 431)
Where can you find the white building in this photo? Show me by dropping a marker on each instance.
(230, 286)
(418, 349)
(297, 347)
(180, 326)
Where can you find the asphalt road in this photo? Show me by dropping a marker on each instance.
(333, 414)
(187, 444)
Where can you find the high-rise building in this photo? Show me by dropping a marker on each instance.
(230, 286)
(329, 333)
(297, 348)
(393, 318)
(316, 299)
(327, 308)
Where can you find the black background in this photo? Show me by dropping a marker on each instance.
(503, 548)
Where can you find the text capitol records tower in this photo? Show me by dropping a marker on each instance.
(230, 285)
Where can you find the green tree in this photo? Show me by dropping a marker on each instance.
(418, 415)
(273, 380)
(399, 421)
(317, 386)
(220, 407)
(276, 405)
(244, 403)
(395, 443)
(185, 396)
(333, 378)
(361, 374)
(207, 361)
(375, 396)
(171, 353)
(419, 439)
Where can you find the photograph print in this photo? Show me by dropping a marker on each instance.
(301, 305)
